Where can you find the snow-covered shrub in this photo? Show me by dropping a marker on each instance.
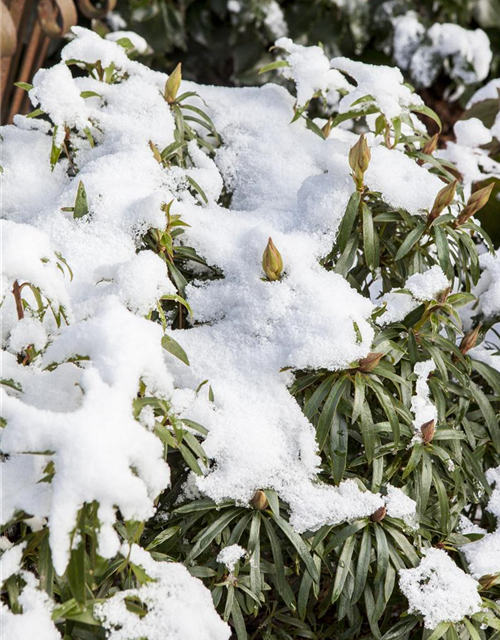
(233, 341)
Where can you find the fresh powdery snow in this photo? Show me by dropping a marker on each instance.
(230, 555)
(178, 606)
(439, 590)
(483, 556)
(418, 288)
(421, 406)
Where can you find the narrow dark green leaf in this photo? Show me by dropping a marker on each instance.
(328, 412)
(410, 241)
(347, 222)
(300, 546)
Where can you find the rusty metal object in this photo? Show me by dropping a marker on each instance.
(91, 11)
(35, 27)
(8, 42)
(56, 17)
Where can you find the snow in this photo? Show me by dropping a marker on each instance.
(420, 287)
(66, 106)
(274, 19)
(471, 133)
(421, 406)
(310, 70)
(483, 556)
(439, 590)
(487, 289)
(428, 285)
(10, 561)
(139, 43)
(230, 556)
(35, 621)
(28, 331)
(179, 607)
(391, 173)
(466, 54)
(383, 84)
(401, 506)
(488, 92)
(466, 153)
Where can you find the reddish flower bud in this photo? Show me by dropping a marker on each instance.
(428, 429)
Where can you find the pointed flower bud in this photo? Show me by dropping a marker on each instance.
(370, 362)
(428, 429)
(172, 85)
(259, 501)
(378, 515)
(443, 199)
(476, 202)
(470, 339)
(359, 159)
(429, 147)
(327, 128)
(489, 581)
(272, 262)
(155, 150)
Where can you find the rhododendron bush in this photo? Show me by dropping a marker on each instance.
(249, 383)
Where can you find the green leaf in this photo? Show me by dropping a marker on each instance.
(90, 94)
(299, 544)
(197, 188)
(410, 241)
(254, 550)
(343, 567)
(347, 222)
(278, 64)
(370, 239)
(173, 347)
(212, 532)
(81, 205)
(426, 111)
(443, 250)
(339, 435)
(367, 431)
(24, 85)
(328, 412)
(76, 573)
(318, 397)
(439, 631)
(488, 413)
(363, 565)
(279, 566)
(238, 621)
(55, 151)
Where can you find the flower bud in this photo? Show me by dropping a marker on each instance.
(327, 128)
(469, 340)
(272, 262)
(378, 515)
(155, 150)
(429, 147)
(359, 159)
(443, 199)
(259, 501)
(476, 202)
(370, 362)
(428, 429)
(489, 581)
(172, 85)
